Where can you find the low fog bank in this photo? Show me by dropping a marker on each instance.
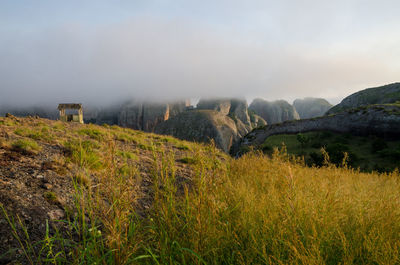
(162, 60)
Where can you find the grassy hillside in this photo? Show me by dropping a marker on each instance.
(141, 198)
(376, 95)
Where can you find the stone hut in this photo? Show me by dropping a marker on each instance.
(71, 117)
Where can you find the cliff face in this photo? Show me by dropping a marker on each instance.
(311, 107)
(376, 95)
(224, 120)
(201, 126)
(274, 112)
(145, 115)
(382, 120)
(221, 105)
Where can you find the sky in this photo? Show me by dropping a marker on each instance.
(104, 51)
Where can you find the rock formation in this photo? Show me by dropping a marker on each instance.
(146, 115)
(311, 107)
(376, 95)
(201, 126)
(221, 105)
(381, 120)
(274, 112)
(224, 120)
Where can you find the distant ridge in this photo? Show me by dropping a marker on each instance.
(376, 95)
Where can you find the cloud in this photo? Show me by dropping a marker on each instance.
(165, 58)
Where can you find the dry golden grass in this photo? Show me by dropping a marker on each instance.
(252, 210)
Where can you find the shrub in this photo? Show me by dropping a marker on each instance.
(266, 148)
(317, 159)
(244, 149)
(342, 139)
(336, 152)
(302, 139)
(317, 144)
(378, 145)
(390, 154)
(326, 135)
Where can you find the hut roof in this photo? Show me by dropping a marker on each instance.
(69, 106)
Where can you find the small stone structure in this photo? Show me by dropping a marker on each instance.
(71, 117)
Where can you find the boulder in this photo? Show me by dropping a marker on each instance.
(311, 107)
(275, 111)
(239, 110)
(201, 126)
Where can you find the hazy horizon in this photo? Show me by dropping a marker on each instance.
(100, 52)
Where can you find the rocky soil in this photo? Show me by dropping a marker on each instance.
(36, 187)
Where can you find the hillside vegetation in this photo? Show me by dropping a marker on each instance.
(365, 152)
(128, 197)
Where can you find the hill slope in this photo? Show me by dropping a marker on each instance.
(375, 95)
(129, 197)
(381, 120)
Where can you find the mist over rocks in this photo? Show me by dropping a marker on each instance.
(311, 107)
(146, 116)
(221, 105)
(274, 111)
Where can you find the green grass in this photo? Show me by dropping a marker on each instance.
(50, 196)
(85, 153)
(127, 155)
(188, 160)
(26, 145)
(361, 151)
(42, 133)
(92, 132)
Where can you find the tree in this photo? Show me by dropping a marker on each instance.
(303, 140)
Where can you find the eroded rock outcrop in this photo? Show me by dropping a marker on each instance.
(201, 126)
(381, 120)
(375, 95)
(274, 112)
(146, 115)
(224, 120)
(311, 107)
(221, 105)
